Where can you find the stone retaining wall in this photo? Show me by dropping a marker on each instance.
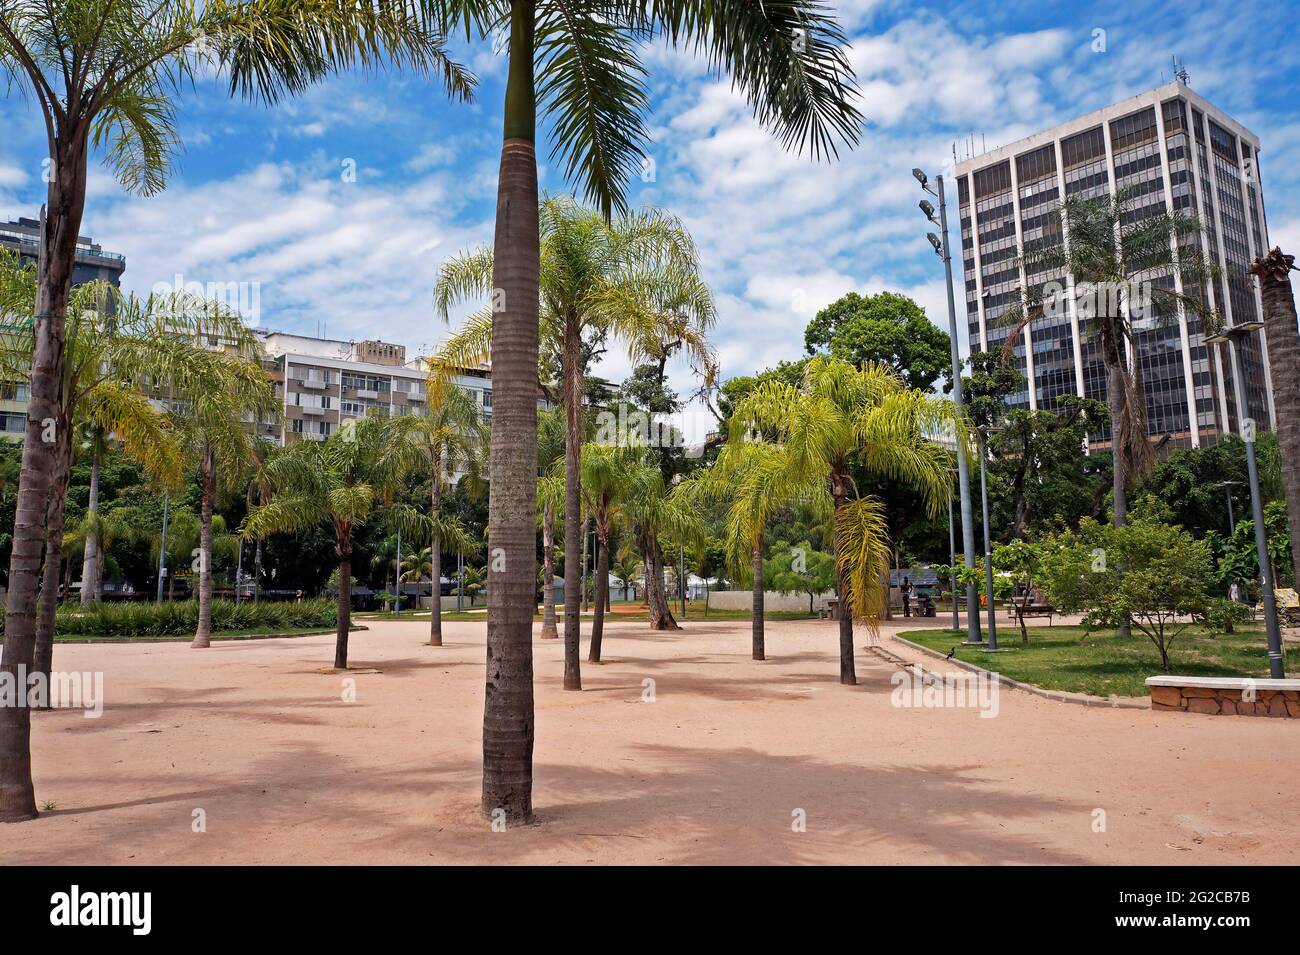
(1229, 697)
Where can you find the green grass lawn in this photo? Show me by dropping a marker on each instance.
(1068, 658)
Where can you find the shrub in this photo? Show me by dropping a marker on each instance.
(179, 618)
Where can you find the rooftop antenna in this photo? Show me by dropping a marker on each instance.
(1180, 73)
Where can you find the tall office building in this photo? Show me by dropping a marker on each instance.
(92, 263)
(1169, 150)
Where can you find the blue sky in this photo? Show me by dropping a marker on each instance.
(258, 195)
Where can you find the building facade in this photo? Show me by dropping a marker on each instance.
(92, 264)
(1166, 150)
(323, 383)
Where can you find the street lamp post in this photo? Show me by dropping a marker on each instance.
(982, 439)
(162, 547)
(952, 562)
(1227, 492)
(1233, 336)
(942, 250)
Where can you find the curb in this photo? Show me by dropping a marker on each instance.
(1058, 696)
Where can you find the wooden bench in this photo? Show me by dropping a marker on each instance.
(1032, 610)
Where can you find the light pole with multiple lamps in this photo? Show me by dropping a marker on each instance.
(1232, 336)
(941, 249)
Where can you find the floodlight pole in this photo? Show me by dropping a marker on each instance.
(1275, 668)
(963, 469)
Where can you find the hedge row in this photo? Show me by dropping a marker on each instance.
(181, 617)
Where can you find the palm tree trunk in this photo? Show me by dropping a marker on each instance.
(574, 538)
(208, 493)
(1117, 400)
(512, 504)
(586, 587)
(66, 198)
(90, 562)
(661, 615)
(344, 547)
(48, 604)
(1283, 339)
(435, 563)
(848, 672)
(756, 627)
(602, 593)
(549, 630)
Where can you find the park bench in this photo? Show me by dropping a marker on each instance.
(1033, 610)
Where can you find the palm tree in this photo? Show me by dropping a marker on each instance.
(118, 349)
(840, 420)
(213, 402)
(104, 73)
(612, 475)
(626, 567)
(635, 279)
(1274, 273)
(757, 480)
(342, 481)
(472, 581)
(550, 499)
(455, 440)
(416, 567)
(583, 63)
(1112, 247)
(653, 513)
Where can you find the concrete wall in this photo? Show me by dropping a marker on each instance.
(744, 600)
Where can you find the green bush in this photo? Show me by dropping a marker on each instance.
(181, 617)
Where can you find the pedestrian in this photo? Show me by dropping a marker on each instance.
(906, 592)
(1234, 592)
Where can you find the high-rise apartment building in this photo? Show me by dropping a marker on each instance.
(92, 264)
(1167, 150)
(326, 382)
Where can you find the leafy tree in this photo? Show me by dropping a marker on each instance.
(885, 329)
(800, 568)
(1195, 483)
(1019, 560)
(1155, 575)
(1237, 557)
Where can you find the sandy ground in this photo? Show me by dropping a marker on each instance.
(715, 770)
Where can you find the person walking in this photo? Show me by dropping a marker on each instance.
(1234, 592)
(906, 592)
